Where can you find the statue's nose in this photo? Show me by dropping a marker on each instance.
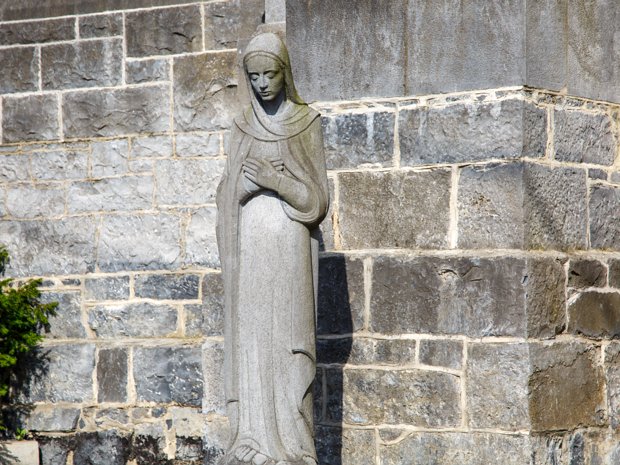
(262, 83)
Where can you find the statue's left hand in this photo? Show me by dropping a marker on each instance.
(263, 172)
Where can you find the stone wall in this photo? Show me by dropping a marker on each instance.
(470, 274)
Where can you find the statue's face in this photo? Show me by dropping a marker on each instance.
(266, 76)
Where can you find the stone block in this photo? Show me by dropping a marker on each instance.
(35, 201)
(566, 386)
(112, 112)
(34, 117)
(210, 314)
(137, 72)
(68, 320)
(599, 174)
(409, 209)
(545, 297)
(189, 449)
(581, 137)
(612, 377)
(92, 63)
(337, 446)
(595, 314)
(497, 386)
(143, 166)
(109, 158)
(366, 351)
(133, 320)
(275, 11)
(394, 352)
(45, 418)
(31, 32)
(149, 444)
(14, 168)
(50, 247)
(446, 353)
(200, 245)
(213, 361)
(187, 182)
(614, 273)
(106, 288)
(111, 195)
(54, 450)
(354, 139)
(105, 25)
(140, 242)
(151, 147)
(413, 397)
(167, 286)
(168, 375)
(604, 224)
(110, 447)
(59, 165)
(163, 31)
(222, 21)
(435, 448)
(341, 295)
(205, 91)
(584, 273)
(112, 375)
(20, 70)
(506, 129)
(198, 145)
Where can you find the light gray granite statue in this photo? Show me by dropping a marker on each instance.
(270, 201)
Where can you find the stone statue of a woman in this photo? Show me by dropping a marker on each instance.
(272, 197)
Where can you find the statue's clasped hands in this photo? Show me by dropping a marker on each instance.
(265, 172)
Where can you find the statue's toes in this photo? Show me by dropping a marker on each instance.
(249, 455)
(259, 459)
(241, 451)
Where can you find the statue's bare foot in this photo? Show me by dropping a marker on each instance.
(245, 453)
(260, 459)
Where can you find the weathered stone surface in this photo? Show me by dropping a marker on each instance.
(102, 448)
(457, 449)
(555, 207)
(470, 296)
(394, 352)
(442, 352)
(595, 173)
(20, 68)
(59, 165)
(32, 201)
(149, 444)
(106, 288)
(92, 63)
(65, 374)
(109, 158)
(366, 351)
(168, 374)
(50, 247)
(409, 209)
(201, 246)
(34, 117)
(52, 418)
(167, 286)
(198, 145)
(612, 376)
(584, 137)
(340, 305)
(326, 228)
(545, 297)
(566, 386)
(205, 91)
(471, 131)
(213, 361)
(414, 397)
(143, 242)
(163, 31)
(112, 375)
(604, 224)
(497, 386)
(113, 194)
(67, 322)
(584, 273)
(337, 446)
(133, 320)
(14, 168)
(614, 273)
(151, 147)
(54, 450)
(112, 112)
(354, 139)
(207, 319)
(101, 25)
(187, 182)
(595, 314)
(37, 31)
(222, 20)
(140, 71)
(275, 11)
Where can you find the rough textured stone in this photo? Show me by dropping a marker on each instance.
(201, 246)
(187, 182)
(32, 201)
(59, 165)
(133, 320)
(109, 158)
(441, 352)
(112, 375)
(14, 168)
(612, 376)
(37, 31)
(340, 308)
(366, 351)
(113, 112)
(545, 297)
(102, 448)
(163, 31)
(20, 68)
(586, 273)
(92, 63)
(471, 131)
(149, 444)
(197, 145)
(222, 20)
(205, 91)
(614, 273)
(137, 72)
(213, 361)
(151, 147)
(115, 194)
(106, 288)
(67, 322)
(414, 397)
(168, 374)
(167, 286)
(584, 137)
(337, 446)
(394, 352)
(52, 418)
(595, 314)
(497, 386)
(595, 173)
(208, 317)
(566, 386)
(409, 209)
(34, 117)
(50, 247)
(145, 242)
(54, 450)
(604, 224)
(356, 139)
(101, 25)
